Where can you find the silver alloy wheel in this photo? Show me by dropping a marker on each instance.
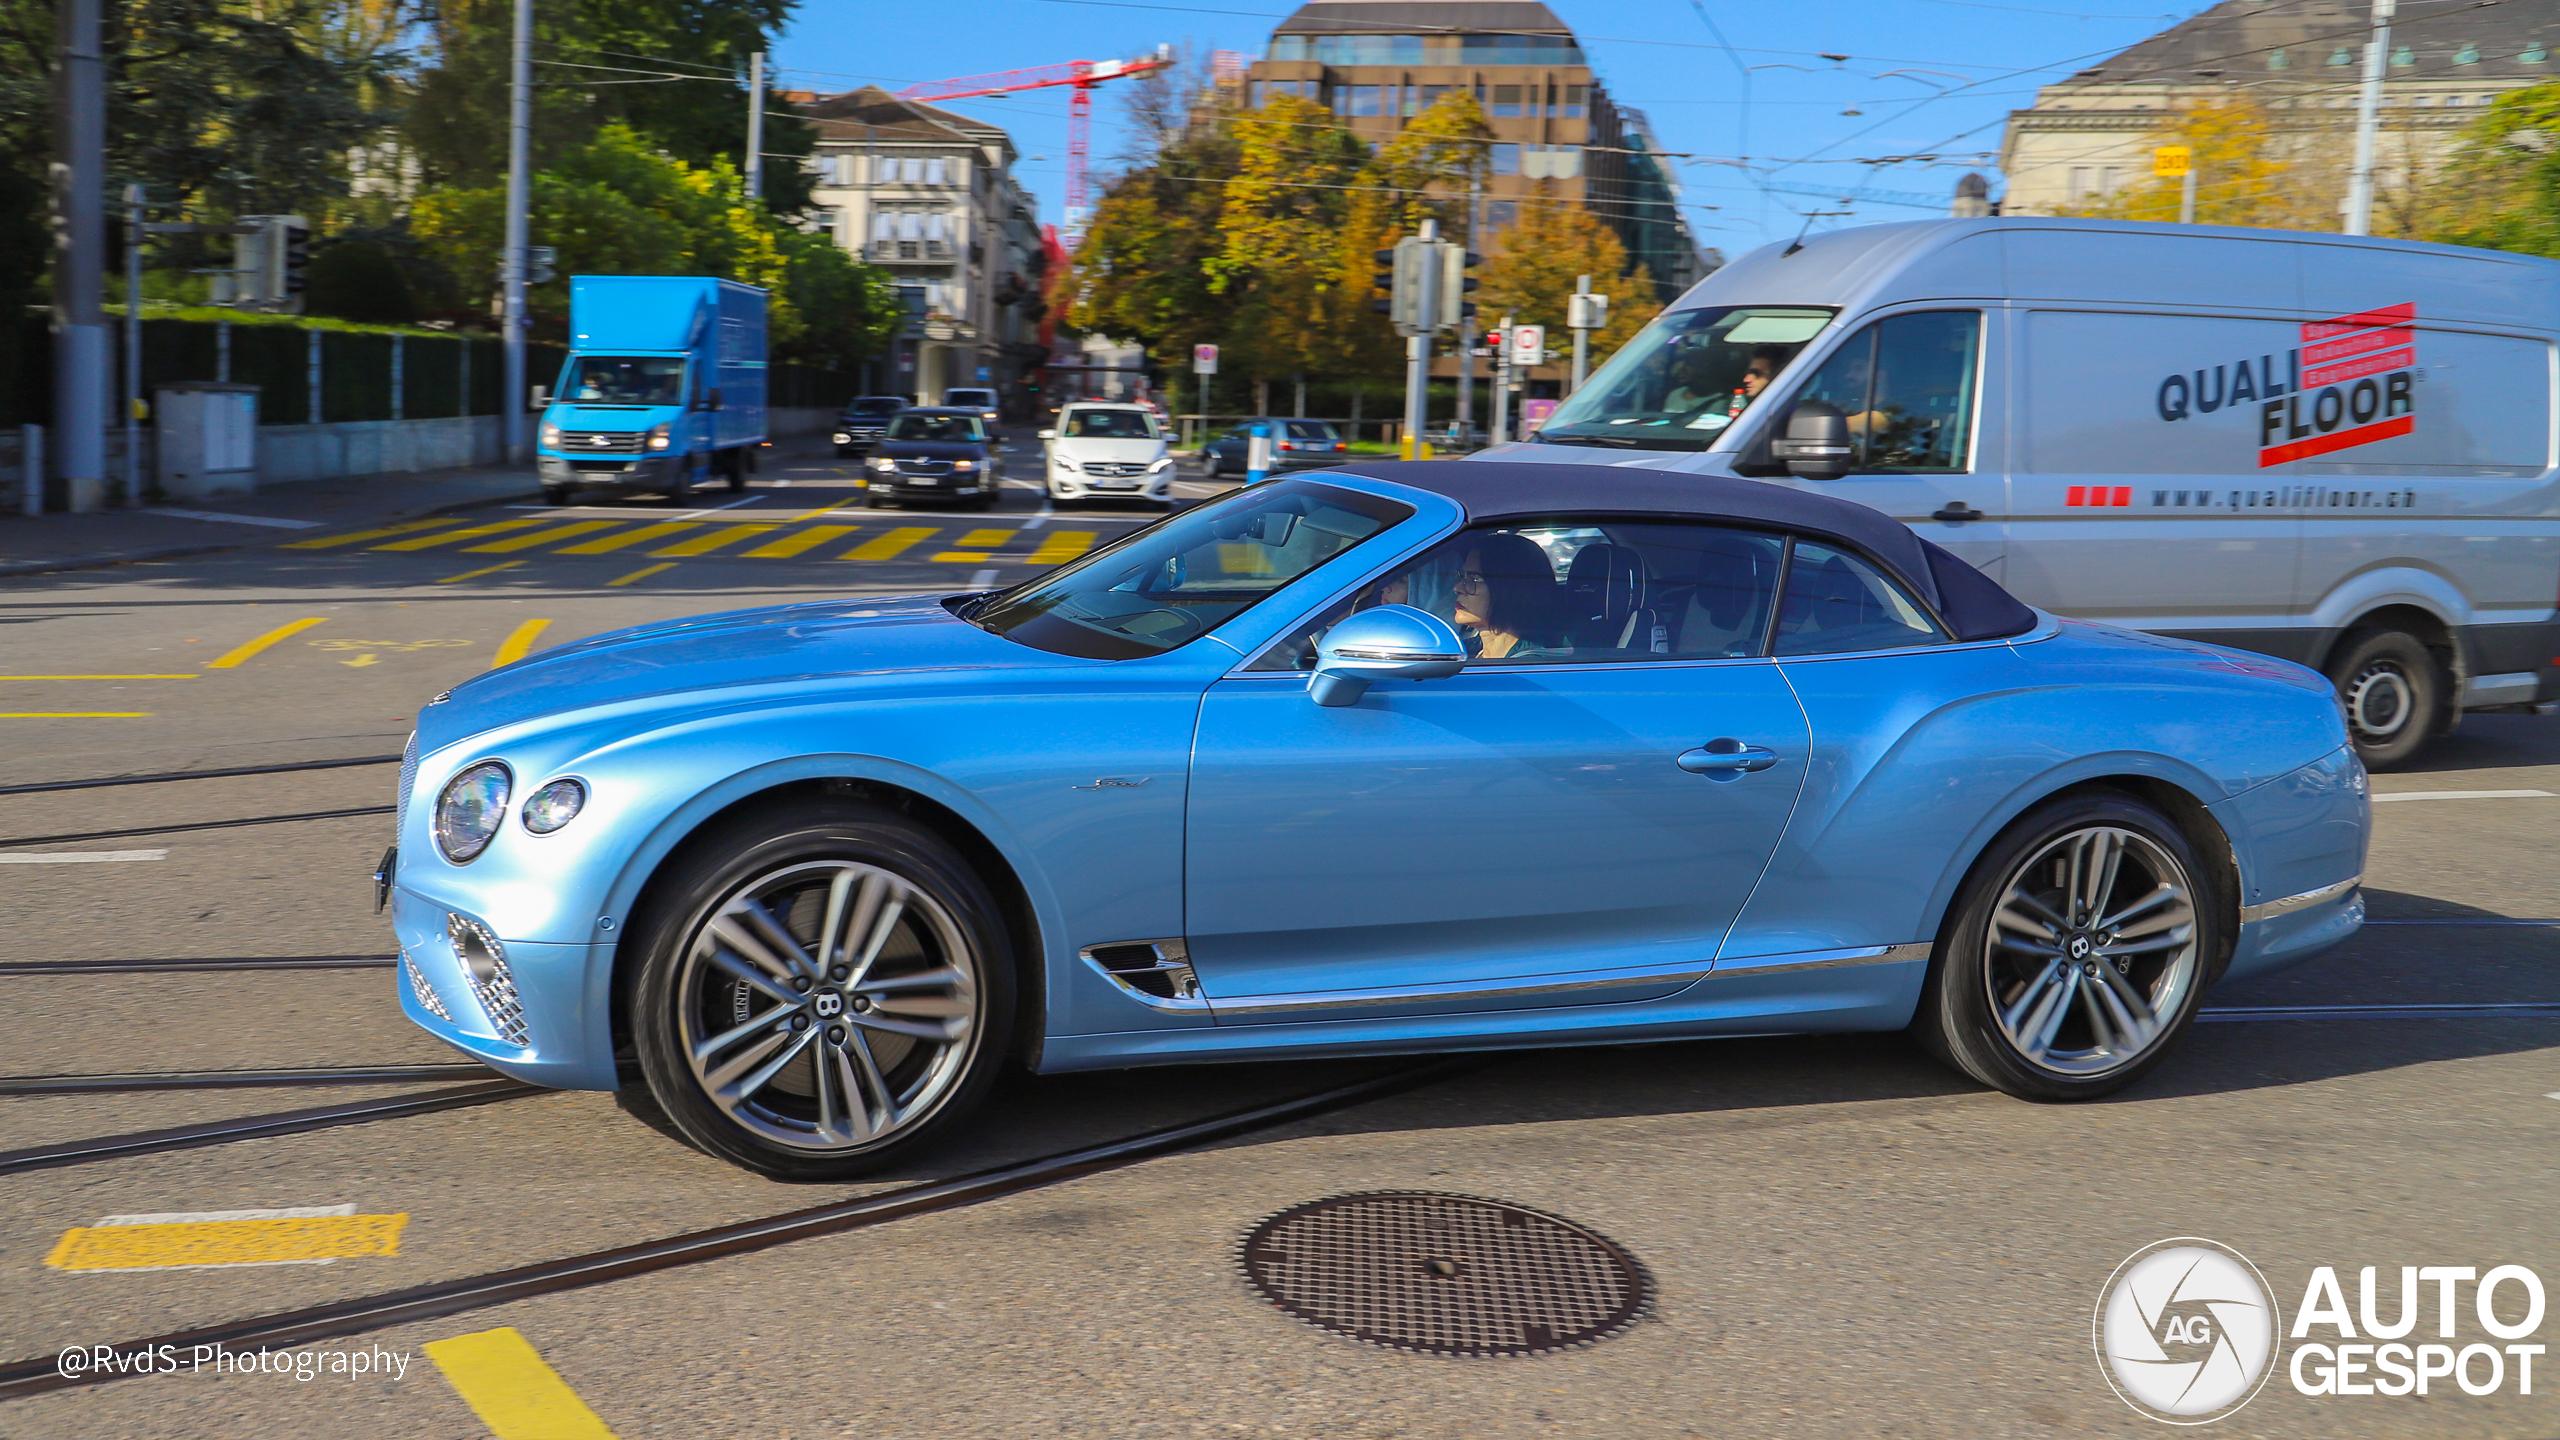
(2380, 700)
(827, 1005)
(2092, 950)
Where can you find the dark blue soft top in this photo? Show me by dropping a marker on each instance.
(1973, 604)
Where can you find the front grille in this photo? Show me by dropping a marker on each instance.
(1114, 471)
(408, 780)
(484, 961)
(924, 467)
(425, 992)
(585, 466)
(603, 442)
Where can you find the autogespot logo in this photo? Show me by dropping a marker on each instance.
(2186, 1330)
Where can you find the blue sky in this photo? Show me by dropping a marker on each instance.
(1927, 77)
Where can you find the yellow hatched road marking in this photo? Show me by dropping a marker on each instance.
(972, 548)
(705, 544)
(476, 574)
(227, 1242)
(99, 677)
(540, 537)
(512, 1389)
(498, 527)
(823, 509)
(790, 545)
(403, 528)
(235, 658)
(891, 545)
(519, 643)
(611, 543)
(1064, 546)
(643, 574)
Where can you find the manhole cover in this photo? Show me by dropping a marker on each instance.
(1445, 1274)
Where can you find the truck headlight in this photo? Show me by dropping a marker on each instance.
(549, 436)
(470, 809)
(662, 435)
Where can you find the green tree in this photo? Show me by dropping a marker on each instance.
(2501, 187)
(1142, 273)
(1279, 260)
(1428, 171)
(1557, 241)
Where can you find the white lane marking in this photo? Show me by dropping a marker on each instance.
(2474, 920)
(278, 523)
(716, 509)
(983, 580)
(2466, 795)
(78, 857)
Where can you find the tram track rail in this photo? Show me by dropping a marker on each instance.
(170, 776)
(364, 1314)
(182, 826)
(237, 1079)
(259, 1127)
(207, 963)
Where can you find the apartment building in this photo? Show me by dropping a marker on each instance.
(2091, 136)
(1378, 63)
(930, 196)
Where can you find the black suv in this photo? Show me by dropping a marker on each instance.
(859, 427)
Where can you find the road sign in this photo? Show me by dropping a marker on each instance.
(1528, 345)
(2172, 161)
(1204, 359)
(1587, 312)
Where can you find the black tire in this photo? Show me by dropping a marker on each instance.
(2393, 691)
(684, 994)
(680, 489)
(733, 464)
(557, 495)
(1979, 996)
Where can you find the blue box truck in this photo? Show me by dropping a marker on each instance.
(664, 388)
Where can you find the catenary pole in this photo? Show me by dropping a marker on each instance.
(755, 126)
(133, 218)
(79, 257)
(2359, 212)
(512, 395)
(1417, 346)
(1467, 326)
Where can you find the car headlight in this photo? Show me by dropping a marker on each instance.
(662, 435)
(964, 464)
(884, 463)
(843, 439)
(1063, 463)
(554, 805)
(549, 436)
(469, 810)
(1164, 464)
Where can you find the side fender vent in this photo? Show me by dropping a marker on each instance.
(1157, 972)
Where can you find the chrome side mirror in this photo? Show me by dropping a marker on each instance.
(1048, 434)
(1391, 642)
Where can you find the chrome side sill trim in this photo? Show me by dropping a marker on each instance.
(1823, 959)
(2308, 898)
(1458, 992)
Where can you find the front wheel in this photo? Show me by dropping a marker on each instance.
(2393, 692)
(822, 991)
(733, 465)
(2076, 954)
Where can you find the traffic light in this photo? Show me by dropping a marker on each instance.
(1455, 283)
(539, 264)
(296, 249)
(1383, 282)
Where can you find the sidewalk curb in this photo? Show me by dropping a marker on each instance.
(173, 552)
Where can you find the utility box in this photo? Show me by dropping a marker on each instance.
(207, 434)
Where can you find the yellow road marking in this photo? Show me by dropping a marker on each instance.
(476, 574)
(790, 545)
(403, 528)
(823, 509)
(891, 545)
(540, 537)
(498, 527)
(972, 548)
(612, 543)
(705, 544)
(642, 574)
(235, 658)
(512, 1389)
(100, 677)
(227, 1242)
(519, 642)
(75, 714)
(1064, 546)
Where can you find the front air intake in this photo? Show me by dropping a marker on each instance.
(484, 961)
(425, 992)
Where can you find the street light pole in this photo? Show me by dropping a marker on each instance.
(1466, 327)
(755, 126)
(1581, 336)
(133, 344)
(511, 266)
(79, 258)
(2358, 219)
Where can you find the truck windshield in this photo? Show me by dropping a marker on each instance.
(1690, 374)
(624, 380)
(1183, 577)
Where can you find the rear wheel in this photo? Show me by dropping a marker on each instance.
(2077, 952)
(822, 992)
(2393, 691)
(733, 465)
(556, 495)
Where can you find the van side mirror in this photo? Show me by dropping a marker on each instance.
(1048, 434)
(1391, 642)
(541, 397)
(1817, 444)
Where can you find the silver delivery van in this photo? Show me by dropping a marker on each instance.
(2335, 449)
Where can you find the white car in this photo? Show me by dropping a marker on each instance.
(1109, 451)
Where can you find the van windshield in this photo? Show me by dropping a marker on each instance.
(1690, 374)
(1110, 425)
(624, 380)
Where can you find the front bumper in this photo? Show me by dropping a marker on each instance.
(650, 472)
(558, 992)
(928, 487)
(1150, 485)
(2300, 840)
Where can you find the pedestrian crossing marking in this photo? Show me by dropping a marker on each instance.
(644, 573)
(514, 543)
(405, 527)
(705, 544)
(892, 545)
(972, 548)
(611, 543)
(1064, 546)
(499, 527)
(789, 545)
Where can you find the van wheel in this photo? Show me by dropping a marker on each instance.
(555, 495)
(2393, 691)
(2076, 955)
(734, 465)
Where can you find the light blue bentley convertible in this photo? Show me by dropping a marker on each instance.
(1416, 757)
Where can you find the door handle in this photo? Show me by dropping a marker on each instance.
(1727, 759)
(1955, 512)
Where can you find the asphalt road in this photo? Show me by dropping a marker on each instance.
(1847, 1239)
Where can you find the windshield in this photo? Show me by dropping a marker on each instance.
(954, 429)
(980, 398)
(1183, 577)
(1109, 425)
(1688, 376)
(881, 406)
(624, 380)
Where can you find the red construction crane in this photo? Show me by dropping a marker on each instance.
(1083, 75)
